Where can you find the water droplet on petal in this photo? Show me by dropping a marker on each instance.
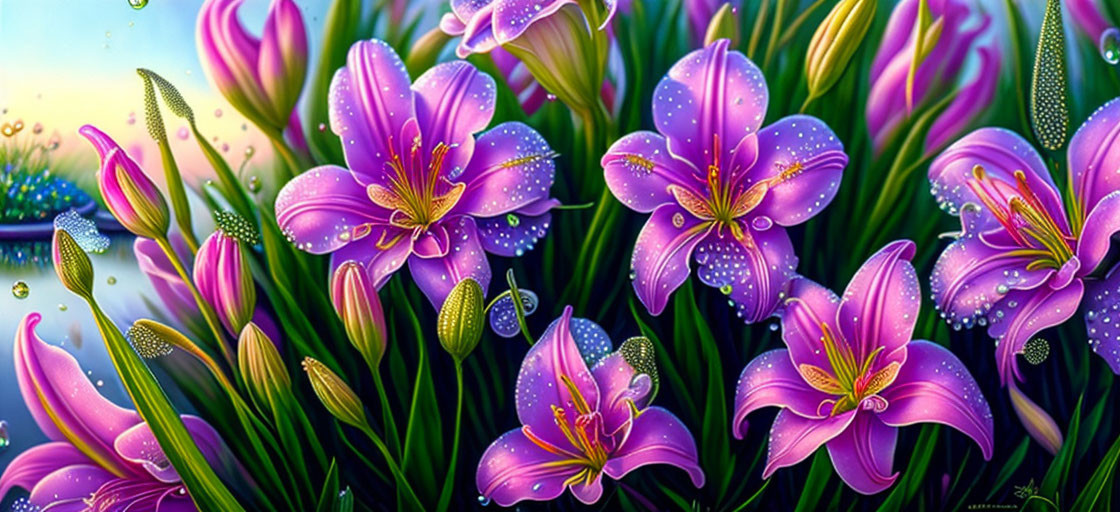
(483, 500)
(20, 290)
(322, 127)
(254, 184)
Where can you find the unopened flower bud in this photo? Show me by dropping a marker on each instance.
(130, 195)
(1035, 419)
(335, 394)
(72, 265)
(460, 319)
(724, 25)
(357, 304)
(261, 365)
(837, 38)
(225, 280)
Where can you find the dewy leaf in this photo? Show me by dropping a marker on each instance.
(1049, 110)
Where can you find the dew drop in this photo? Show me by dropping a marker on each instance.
(551, 97)
(5, 439)
(513, 220)
(112, 280)
(100, 383)
(137, 4)
(254, 184)
(20, 290)
(217, 112)
(62, 307)
(322, 127)
(725, 289)
(1110, 45)
(774, 327)
(483, 500)
(183, 133)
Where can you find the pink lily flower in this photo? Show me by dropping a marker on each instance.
(850, 376)
(585, 412)
(720, 189)
(420, 188)
(101, 457)
(1022, 262)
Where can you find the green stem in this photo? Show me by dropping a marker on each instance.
(292, 162)
(795, 25)
(449, 481)
(203, 306)
(772, 44)
(386, 411)
(393, 467)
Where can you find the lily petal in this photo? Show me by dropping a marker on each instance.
(657, 437)
(620, 388)
(514, 233)
(65, 489)
(863, 454)
(322, 209)
(804, 160)
(771, 380)
(794, 438)
(809, 306)
(31, 466)
(1102, 318)
(1102, 222)
(661, 253)
(383, 252)
(512, 168)
(1094, 155)
(880, 306)
(639, 169)
(1022, 314)
(453, 102)
(465, 258)
(752, 272)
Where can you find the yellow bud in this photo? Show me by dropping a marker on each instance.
(336, 396)
(724, 25)
(835, 41)
(460, 319)
(72, 265)
(261, 366)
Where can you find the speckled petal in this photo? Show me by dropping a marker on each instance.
(752, 272)
(934, 386)
(793, 438)
(619, 387)
(513, 469)
(591, 340)
(711, 92)
(657, 437)
(771, 380)
(453, 102)
(477, 32)
(805, 160)
(1022, 314)
(1094, 155)
(320, 208)
(380, 263)
(880, 306)
(661, 254)
(465, 258)
(512, 168)
(512, 17)
(1101, 224)
(809, 306)
(540, 387)
(515, 233)
(370, 102)
(863, 454)
(639, 169)
(1102, 318)
(68, 486)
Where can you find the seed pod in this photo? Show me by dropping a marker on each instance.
(460, 319)
(72, 265)
(335, 394)
(1049, 110)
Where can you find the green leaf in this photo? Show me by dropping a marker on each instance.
(423, 444)
(757, 494)
(340, 30)
(1100, 484)
(907, 486)
(328, 496)
(1009, 467)
(819, 474)
(1056, 475)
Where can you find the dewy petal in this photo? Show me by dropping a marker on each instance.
(139, 445)
(771, 380)
(619, 387)
(1102, 222)
(370, 103)
(512, 168)
(514, 233)
(972, 100)
(711, 92)
(661, 254)
(1022, 314)
(752, 272)
(68, 486)
(477, 32)
(1102, 318)
(639, 169)
(805, 160)
(1001, 152)
(588, 493)
(465, 258)
(1094, 155)
(934, 386)
(453, 102)
(64, 403)
(540, 387)
(512, 17)
(381, 262)
(793, 438)
(320, 209)
(880, 306)
(657, 437)
(863, 454)
(31, 466)
(808, 307)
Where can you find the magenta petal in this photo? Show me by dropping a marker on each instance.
(809, 306)
(934, 386)
(380, 263)
(798, 142)
(514, 233)
(639, 169)
(619, 387)
(1094, 155)
(139, 445)
(972, 100)
(1001, 152)
(1102, 222)
(512, 168)
(172, 291)
(880, 306)
(1022, 314)
(321, 209)
(896, 36)
(31, 466)
(752, 272)
(863, 454)
(453, 102)
(465, 258)
(1102, 319)
(68, 486)
(540, 387)
(711, 93)
(772, 380)
(661, 254)
(63, 401)
(477, 31)
(657, 437)
(513, 17)
(371, 101)
(793, 438)
(588, 493)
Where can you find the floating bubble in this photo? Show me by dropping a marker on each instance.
(83, 230)
(483, 500)
(137, 4)
(503, 316)
(5, 439)
(112, 280)
(62, 307)
(183, 133)
(37, 129)
(1110, 45)
(217, 112)
(20, 290)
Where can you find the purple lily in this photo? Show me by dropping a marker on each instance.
(700, 13)
(851, 375)
(1022, 261)
(101, 456)
(420, 188)
(584, 412)
(719, 187)
(936, 76)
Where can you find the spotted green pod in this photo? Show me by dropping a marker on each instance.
(460, 322)
(1049, 107)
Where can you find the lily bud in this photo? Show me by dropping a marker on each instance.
(460, 319)
(357, 304)
(724, 25)
(336, 396)
(837, 38)
(224, 279)
(130, 195)
(1038, 423)
(261, 366)
(72, 265)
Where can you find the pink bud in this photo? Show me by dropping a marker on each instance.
(225, 281)
(357, 304)
(130, 195)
